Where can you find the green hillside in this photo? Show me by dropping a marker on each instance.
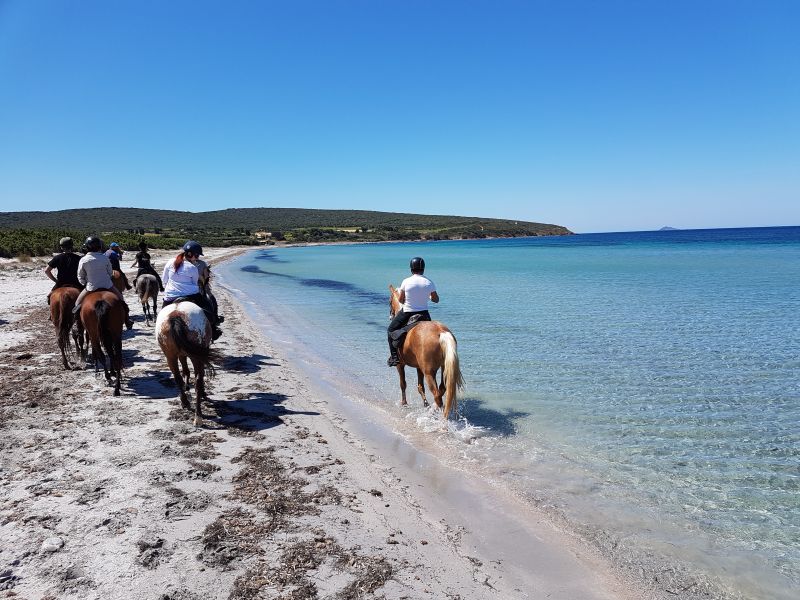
(34, 232)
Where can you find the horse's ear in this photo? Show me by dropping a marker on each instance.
(391, 288)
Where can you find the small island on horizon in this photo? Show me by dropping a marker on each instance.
(668, 228)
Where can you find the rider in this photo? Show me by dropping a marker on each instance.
(205, 285)
(415, 291)
(66, 266)
(94, 271)
(114, 254)
(145, 266)
(182, 282)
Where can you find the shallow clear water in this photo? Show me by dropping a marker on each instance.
(644, 385)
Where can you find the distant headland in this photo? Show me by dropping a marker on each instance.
(36, 233)
(669, 229)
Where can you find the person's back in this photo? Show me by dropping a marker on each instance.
(94, 271)
(418, 289)
(143, 260)
(180, 282)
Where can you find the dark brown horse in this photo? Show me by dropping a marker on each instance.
(61, 302)
(429, 347)
(147, 290)
(103, 315)
(184, 334)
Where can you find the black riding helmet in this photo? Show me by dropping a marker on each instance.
(93, 243)
(417, 265)
(193, 247)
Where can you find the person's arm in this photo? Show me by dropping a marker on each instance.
(48, 270)
(434, 297)
(135, 262)
(82, 273)
(109, 269)
(165, 275)
(401, 297)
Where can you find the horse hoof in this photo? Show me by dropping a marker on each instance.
(116, 392)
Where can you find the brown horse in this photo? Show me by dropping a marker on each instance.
(429, 347)
(103, 315)
(61, 302)
(184, 333)
(147, 290)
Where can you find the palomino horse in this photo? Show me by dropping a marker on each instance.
(184, 332)
(428, 347)
(61, 302)
(147, 289)
(103, 315)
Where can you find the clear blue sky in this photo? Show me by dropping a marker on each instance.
(601, 116)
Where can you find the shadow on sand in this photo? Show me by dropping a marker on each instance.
(258, 412)
(247, 364)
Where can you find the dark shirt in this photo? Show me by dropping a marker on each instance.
(143, 260)
(114, 258)
(66, 265)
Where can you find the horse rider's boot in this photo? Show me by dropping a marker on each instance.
(393, 360)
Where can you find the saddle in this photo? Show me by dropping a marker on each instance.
(399, 335)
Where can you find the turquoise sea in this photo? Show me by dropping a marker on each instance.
(641, 387)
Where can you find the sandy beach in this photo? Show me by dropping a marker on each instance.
(274, 497)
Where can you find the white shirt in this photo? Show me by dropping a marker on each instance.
(418, 289)
(94, 271)
(182, 282)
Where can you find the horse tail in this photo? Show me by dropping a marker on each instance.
(101, 310)
(451, 370)
(63, 320)
(180, 335)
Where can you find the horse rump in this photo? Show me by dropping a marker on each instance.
(204, 355)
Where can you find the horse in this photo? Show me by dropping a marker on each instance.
(61, 302)
(103, 315)
(147, 289)
(118, 280)
(429, 347)
(184, 332)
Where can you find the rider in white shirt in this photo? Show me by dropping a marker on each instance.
(415, 291)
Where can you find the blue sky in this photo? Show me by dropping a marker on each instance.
(601, 116)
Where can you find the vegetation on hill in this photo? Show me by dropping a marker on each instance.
(37, 233)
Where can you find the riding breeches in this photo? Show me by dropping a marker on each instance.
(401, 320)
(149, 271)
(201, 301)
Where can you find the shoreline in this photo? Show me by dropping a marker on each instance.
(121, 498)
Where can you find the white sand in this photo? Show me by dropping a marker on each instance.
(275, 497)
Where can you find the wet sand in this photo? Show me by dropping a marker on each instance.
(274, 497)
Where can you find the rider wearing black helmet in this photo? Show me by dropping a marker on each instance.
(95, 272)
(182, 282)
(145, 266)
(415, 291)
(66, 265)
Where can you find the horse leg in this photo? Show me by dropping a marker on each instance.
(172, 361)
(442, 386)
(430, 379)
(401, 371)
(186, 374)
(421, 387)
(199, 391)
(116, 364)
